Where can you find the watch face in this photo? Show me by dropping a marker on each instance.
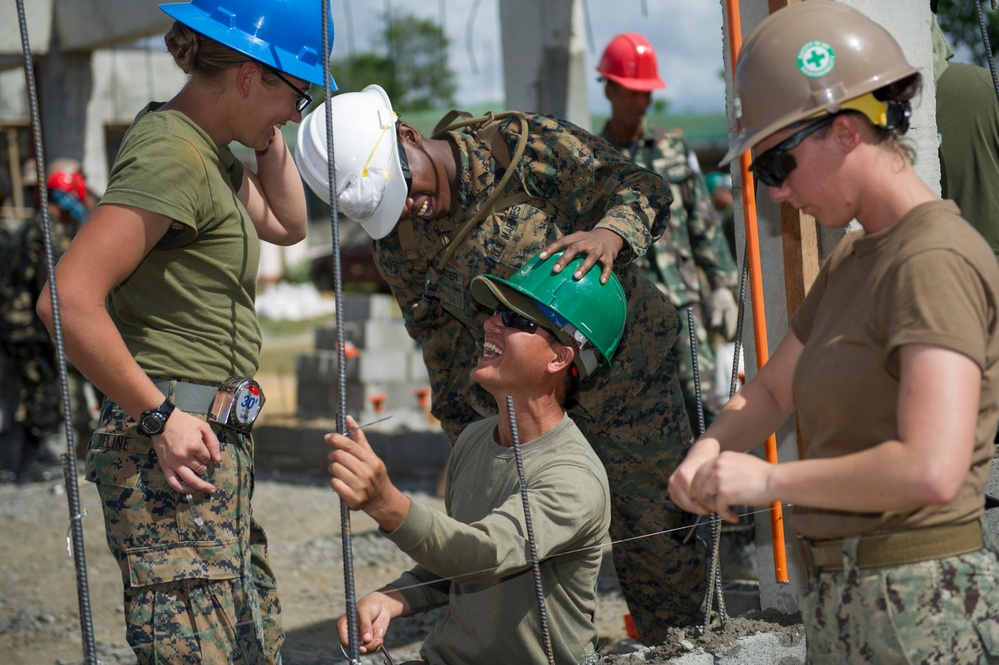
(152, 423)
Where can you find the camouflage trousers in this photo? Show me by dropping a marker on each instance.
(705, 380)
(938, 611)
(663, 579)
(193, 594)
(38, 393)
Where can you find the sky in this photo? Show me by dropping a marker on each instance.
(686, 34)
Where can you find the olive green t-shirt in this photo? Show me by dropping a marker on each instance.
(188, 309)
(928, 279)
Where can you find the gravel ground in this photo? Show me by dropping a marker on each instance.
(39, 602)
(39, 605)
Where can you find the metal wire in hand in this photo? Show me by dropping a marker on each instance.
(535, 564)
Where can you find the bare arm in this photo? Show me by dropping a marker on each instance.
(937, 415)
(274, 196)
(107, 250)
(749, 417)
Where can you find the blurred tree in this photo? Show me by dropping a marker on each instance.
(414, 72)
(959, 21)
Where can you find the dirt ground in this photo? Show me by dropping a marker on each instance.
(39, 606)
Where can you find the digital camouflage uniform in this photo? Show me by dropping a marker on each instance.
(26, 342)
(893, 614)
(694, 243)
(633, 416)
(195, 594)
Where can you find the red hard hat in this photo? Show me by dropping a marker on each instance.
(71, 182)
(630, 61)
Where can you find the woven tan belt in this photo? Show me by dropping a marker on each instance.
(896, 548)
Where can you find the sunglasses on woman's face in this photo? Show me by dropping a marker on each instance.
(776, 164)
(512, 319)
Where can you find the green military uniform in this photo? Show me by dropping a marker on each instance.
(633, 415)
(25, 340)
(693, 243)
(193, 594)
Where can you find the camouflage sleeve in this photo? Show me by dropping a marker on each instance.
(439, 336)
(707, 237)
(600, 187)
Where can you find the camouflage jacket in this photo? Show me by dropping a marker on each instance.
(567, 180)
(695, 238)
(23, 275)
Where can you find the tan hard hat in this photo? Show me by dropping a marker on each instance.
(805, 59)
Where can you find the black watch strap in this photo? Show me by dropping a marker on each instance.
(152, 422)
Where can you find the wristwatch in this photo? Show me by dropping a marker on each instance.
(153, 421)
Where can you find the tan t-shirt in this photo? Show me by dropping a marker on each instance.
(929, 279)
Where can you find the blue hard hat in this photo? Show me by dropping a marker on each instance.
(283, 34)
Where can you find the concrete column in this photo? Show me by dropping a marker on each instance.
(65, 86)
(908, 22)
(543, 58)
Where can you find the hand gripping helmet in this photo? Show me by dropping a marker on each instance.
(630, 61)
(371, 186)
(583, 314)
(284, 34)
(807, 59)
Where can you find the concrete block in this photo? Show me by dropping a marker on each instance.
(385, 365)
(417, 372)
(377, 335)
(369, 306)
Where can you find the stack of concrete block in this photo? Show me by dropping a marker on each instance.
(384, 370)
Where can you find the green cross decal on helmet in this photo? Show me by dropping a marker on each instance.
(582, 313)
(284, 34)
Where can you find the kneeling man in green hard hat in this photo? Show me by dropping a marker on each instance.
(546, 333)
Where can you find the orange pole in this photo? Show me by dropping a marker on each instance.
(756, 294)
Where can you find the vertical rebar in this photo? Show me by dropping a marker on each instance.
(535, 564)
(350, 595)
(69, 457)
(714, 572)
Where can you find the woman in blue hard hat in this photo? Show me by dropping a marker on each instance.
(157, 304)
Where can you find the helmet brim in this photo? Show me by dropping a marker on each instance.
(636, 85)
(492, 291)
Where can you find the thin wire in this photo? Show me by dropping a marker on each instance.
(68, 458)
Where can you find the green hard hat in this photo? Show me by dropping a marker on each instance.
(583, 314)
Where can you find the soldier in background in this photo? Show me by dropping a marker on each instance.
(693, 247)
(26, 343)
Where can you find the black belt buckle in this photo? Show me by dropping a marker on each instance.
(237, 404)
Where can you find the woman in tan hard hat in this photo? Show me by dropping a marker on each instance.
(891, 365)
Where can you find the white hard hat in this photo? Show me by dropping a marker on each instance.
(371, 189)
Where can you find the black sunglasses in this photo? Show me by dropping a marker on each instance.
(512, 319)
(404, 164)
(304, 98)
(776, 164)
